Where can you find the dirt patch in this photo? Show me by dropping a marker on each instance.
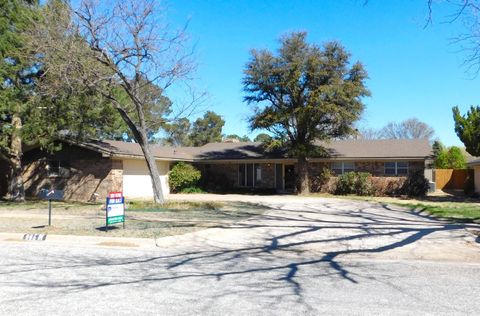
(117, 244)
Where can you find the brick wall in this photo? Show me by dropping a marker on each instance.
(225, 175)
(89, 180)
(90, 177)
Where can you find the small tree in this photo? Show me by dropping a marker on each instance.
(437, 148)
(303, 94)
(451, 158)
(468, 129)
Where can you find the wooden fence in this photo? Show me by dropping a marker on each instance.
(452, 179)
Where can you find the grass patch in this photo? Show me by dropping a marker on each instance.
(147, 206)
(455, 209)
(143, 218)
(458, 213)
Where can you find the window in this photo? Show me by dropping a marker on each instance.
(396, 168)
(249, 174)
(242, 175)
(390, 168)
(258, 174)
(58, 169)
(342, 167)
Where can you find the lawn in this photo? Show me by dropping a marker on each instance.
(143, 219)
(454, 208)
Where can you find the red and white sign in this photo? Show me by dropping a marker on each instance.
(115, 195)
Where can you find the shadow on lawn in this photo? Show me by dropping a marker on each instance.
(279, 257)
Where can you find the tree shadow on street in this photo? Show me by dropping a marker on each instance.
(277, 247)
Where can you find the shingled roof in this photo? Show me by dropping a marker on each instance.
(339, 149)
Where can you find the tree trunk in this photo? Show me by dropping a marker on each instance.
(152, 168)
(303, 176)
(16, 191)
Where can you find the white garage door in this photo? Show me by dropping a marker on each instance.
(136, 178)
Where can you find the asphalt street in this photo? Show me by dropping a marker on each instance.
(302, 257)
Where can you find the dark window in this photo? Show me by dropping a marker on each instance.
(390, 168)
(402, 168)
(58, 168)
(241, 175)
(396, 168)
(249, 174)
(341, 167)
(258, 174)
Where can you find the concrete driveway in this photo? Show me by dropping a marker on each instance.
(303, 256)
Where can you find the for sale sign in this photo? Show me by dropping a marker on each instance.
(115, 212)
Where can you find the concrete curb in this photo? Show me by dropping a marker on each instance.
(96, 241)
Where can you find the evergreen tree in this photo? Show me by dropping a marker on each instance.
(467, 128)
(17, 76)
(207, 129)
(177, 133)
(303, 94)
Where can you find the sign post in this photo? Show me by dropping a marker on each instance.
(51, 195)
(115, 209)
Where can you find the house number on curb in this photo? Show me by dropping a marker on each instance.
(115, 209)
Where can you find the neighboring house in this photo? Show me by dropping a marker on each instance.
(89, 170)
(475, 165)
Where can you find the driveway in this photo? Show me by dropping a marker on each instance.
(303, 256)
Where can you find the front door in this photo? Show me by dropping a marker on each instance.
(279, 177)
(289, 176)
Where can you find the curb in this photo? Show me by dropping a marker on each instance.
(92, 241)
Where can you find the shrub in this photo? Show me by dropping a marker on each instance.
(416, 184)
(469, 185)
(192, 190)
(183, 176)
(354, 183)
(216, 182)
(382, 186)
(318, 183)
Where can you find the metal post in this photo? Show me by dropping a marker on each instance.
(49, 212)
(106, 215)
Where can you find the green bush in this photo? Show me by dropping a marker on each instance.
(192, 190)
(416, 184)
(354, 183)
(183, 176)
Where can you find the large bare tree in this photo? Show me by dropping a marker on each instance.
(121, 49)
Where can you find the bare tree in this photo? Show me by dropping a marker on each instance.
(467, 13)
(409, 129)
(369, 133)
(119, 49)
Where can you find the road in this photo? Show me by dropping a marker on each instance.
(303, 256)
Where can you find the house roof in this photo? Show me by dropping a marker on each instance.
(381, 148)
(339, 149)
(474, 162)
(119, 148)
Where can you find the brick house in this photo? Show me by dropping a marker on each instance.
(88, 171)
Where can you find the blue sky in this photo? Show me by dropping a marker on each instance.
(414, 71)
